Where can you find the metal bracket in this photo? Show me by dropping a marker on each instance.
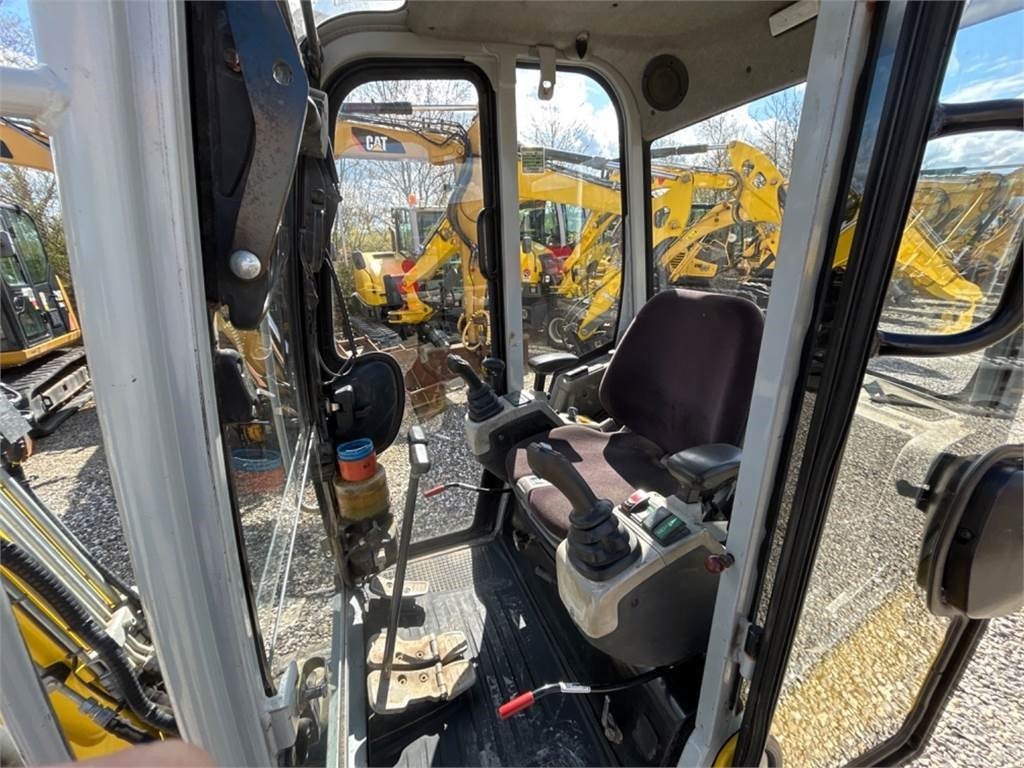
(745, 653)
(278, 90)
(281, 711)
(546, 86)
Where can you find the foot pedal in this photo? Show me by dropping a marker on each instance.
(442, 682)
(383, 587)
(421, 652)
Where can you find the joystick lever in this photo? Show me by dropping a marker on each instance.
(482, 402)
(599, 546)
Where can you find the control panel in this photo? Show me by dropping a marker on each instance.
(658, 608)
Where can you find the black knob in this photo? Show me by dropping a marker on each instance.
(495, 368)
(480, 399)
(461, 368)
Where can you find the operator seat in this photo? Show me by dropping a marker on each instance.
(681, 376)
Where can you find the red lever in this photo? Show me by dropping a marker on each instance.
(516, 705)
(434, 491)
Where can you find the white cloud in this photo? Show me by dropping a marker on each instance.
(976, 150)
(575, 98)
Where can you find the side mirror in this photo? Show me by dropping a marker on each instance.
(972, 556)
(358, 261)
(394, 240)
(527, 242)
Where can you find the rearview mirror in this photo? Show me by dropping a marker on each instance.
(527, 242)
(972, 555)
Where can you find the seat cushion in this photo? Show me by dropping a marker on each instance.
(614, 464)
(683, 372)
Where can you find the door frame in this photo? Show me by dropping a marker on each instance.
(834, 77)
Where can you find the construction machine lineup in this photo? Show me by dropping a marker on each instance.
(570, 302)
(602, 608)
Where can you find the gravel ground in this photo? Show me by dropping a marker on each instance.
(856, 589)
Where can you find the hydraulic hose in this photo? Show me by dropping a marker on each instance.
(24, 566)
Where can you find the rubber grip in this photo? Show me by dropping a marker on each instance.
(434, 491)
(461, 367)
(516, 705)
(548, 464)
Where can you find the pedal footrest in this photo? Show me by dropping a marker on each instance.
(421, 652)
(384, 587)
(441, 682)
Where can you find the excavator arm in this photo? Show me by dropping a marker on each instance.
(23, 145)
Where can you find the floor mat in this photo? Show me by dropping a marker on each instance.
(477, 590)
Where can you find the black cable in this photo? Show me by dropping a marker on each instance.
(526, 700)
(25, 567)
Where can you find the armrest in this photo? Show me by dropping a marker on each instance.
(548, 363)
(703, 470)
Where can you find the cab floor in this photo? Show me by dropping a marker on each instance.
(478, 591)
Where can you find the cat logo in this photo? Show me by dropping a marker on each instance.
(377, 143)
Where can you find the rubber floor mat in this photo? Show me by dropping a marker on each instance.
(477, 591)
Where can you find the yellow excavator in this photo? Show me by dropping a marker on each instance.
(44, 372)
(84, 629)
(974, 215)
(391, 285)
(754, 198)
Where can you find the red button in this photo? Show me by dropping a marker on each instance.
(637, 500)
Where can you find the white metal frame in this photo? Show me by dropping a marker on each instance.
(837, 57)
(123, 154)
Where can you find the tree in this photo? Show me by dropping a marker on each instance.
(17, 46)
(551, 125)
(777, 125)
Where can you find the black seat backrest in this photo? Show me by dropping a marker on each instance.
(683, 372)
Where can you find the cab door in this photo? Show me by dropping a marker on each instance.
(895, 516)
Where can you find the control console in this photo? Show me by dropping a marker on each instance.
(496, 424)
(649, 597)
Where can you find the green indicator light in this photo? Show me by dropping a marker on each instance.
(666, 527)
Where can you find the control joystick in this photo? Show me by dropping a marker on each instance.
(481, 400)
(599, 546)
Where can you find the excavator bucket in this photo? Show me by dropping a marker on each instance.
(427, 377)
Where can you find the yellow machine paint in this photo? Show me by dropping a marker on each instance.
(23, 145)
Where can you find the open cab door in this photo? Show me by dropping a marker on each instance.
(894, 515)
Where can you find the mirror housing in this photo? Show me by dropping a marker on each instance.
(527, 243)
(972, 555)
(358, 261)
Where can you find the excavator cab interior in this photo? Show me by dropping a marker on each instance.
(542, 416)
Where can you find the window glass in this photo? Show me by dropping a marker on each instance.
(30, 247)
(270, 454)
(718, 191)
(866, 643)
(571, 209)
(410, 162)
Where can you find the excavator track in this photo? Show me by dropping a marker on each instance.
(51, 391)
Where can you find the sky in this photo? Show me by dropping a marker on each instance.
(987, 62)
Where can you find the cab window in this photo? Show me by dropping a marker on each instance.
(410, 157)
(718, 196)
(570, 197)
